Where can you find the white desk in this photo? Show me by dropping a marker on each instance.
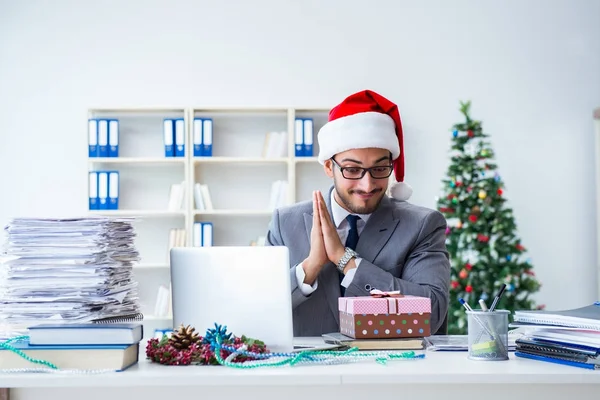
(446, 375)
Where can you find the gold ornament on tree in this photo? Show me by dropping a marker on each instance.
(482, 194)
(184, 337)
(476, 210)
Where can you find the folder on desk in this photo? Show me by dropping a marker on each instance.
(93, 138)
(169, 137)
(93, 190)
(113, 138)
(557, 360)
(103, 138)
(179, 138)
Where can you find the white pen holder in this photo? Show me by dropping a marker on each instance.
(488, 335)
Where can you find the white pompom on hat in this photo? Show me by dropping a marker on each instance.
(363, 120)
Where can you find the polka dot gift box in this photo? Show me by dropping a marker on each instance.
(385, 315)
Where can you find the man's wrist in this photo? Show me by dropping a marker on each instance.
(337, 256)
(309, 267)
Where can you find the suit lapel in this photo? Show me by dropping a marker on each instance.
(378, 230)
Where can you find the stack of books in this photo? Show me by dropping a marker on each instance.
(113, 347)
(69, 271)
(569, 337)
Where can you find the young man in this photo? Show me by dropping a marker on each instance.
(355, 238)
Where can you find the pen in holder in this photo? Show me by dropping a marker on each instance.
(488, 335)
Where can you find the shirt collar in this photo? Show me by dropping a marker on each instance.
(339, 213)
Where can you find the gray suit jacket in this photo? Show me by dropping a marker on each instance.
(402, 248)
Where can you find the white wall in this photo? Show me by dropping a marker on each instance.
(532, 69)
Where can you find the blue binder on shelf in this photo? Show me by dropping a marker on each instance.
(93, 190)
(179, 137)
(113, 190)
(203, 234)
(102, 138)
(207, 137)
(102, 190)
(169, 137)
(308, 137)
(93, 138)
(197, 137)
(299, 137)
(197, 235)
(113, 138)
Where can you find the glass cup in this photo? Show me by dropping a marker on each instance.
(488, 335)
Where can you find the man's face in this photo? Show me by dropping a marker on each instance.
(360, 196)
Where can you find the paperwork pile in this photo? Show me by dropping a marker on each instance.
(68, 271)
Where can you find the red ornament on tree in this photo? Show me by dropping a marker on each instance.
(499, 191)
(463, 274)
(520, 247)
(482, 238)
(469, 289)
(468, 266)
(473, 218)
(454, 284)
(470, 133)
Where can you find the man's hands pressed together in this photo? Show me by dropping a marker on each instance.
(325, 243)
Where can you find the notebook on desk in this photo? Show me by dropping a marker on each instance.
(374, 344)
(587, 317)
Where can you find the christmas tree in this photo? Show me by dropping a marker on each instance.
(481, 237)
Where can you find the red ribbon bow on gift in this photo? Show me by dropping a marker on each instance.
(379, 293)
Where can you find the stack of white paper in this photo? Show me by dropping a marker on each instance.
(67, 270)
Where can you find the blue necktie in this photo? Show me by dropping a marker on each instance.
(352, 238)
(351, 241)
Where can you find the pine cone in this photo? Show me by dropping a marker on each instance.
(184, 337)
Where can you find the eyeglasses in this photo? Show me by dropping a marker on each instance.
(356, 173)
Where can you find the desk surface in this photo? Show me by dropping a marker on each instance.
(435, 368)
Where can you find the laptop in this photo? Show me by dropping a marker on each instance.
(245, 288)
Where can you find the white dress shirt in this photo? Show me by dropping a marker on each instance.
(342, 225)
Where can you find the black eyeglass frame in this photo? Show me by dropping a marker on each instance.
(364, 171)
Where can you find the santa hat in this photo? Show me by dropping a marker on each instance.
(366, 119)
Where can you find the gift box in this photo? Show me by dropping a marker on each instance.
(385, 315)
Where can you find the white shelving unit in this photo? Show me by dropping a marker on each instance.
(238, 177)
(597, 140)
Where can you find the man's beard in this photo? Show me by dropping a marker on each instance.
(347, 200)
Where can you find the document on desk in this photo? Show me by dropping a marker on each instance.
(457, 343)
(67, 270)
